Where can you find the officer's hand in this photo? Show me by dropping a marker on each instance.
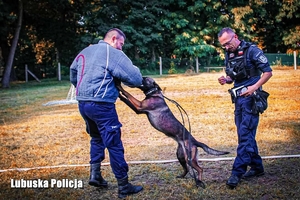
(250, 90)
(222, 80)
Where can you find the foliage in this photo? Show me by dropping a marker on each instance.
(172, 69)
(289, 16)
(184, 29)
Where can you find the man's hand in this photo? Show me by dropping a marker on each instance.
(222, 80)
(250, 90)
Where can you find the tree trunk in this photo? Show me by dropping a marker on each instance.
(153, 58)
(9, 63)
(136, 54)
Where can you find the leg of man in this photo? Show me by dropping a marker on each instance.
(256, 163)
(106, 118)
(246, 124)
(243, 158)
(247, 151)
(97, 148)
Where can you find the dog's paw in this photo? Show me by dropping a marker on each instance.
(120, 88)
(182, 175)
(200, 184)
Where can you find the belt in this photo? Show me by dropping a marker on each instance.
(95, 102)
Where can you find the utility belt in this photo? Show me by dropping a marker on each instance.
(259, 98)
(236, 92)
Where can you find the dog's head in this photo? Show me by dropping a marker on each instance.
(149, 86)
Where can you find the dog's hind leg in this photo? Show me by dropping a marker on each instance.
(181, 156)
(195, 165)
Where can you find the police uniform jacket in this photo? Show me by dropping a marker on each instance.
(249, 57)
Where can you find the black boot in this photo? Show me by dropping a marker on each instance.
(126, 188)
(95, 176)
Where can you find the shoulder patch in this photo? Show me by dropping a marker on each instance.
(263, 59)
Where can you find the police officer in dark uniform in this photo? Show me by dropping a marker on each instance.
(248, 69)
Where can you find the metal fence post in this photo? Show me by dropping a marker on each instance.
(160, 66)
(197, 65)
(295, 60)
(58, 72)
(26, 73)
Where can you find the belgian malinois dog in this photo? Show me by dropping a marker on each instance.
(161, 118)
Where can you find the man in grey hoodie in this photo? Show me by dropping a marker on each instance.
(94, 72)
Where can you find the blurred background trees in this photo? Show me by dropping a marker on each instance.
(53, 32)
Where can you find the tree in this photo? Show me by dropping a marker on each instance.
(289, 15)
(194, 26)
(57, 29)
(140, 21)
(9, 63)
(184, 29)
(47, 37)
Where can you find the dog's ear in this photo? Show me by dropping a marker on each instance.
(144, 81)
(157, 86)
(143, 87)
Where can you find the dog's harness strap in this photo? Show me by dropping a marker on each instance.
(189, 140)
(151, 91)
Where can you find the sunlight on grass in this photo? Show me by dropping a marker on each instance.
(34, 135)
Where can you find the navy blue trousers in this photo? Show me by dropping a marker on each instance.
(103, 125)
(247, 151)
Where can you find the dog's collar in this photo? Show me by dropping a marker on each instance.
(151, 91)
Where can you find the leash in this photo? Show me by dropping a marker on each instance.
(180, 108)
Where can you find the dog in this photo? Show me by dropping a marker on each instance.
(161, 118)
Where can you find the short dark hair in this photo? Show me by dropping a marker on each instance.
(227, 30)
(118, 31)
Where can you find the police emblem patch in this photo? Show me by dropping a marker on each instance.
(263, 59)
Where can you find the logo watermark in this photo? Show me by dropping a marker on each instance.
(41, 183)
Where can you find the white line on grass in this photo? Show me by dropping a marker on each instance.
(145, 162)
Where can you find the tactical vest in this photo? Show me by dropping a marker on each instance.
(236, 64)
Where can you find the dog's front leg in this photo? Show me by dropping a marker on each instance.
(136, 103)
(129, 104)
(129, 100)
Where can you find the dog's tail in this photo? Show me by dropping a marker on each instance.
(209, 150)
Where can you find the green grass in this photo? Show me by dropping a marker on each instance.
(20, 96)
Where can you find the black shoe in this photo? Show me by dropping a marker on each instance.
(96, 179)
(233, 181)
(125, 188)
(253, 173)
(128, 189)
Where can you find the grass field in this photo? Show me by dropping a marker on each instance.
(33, 135)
